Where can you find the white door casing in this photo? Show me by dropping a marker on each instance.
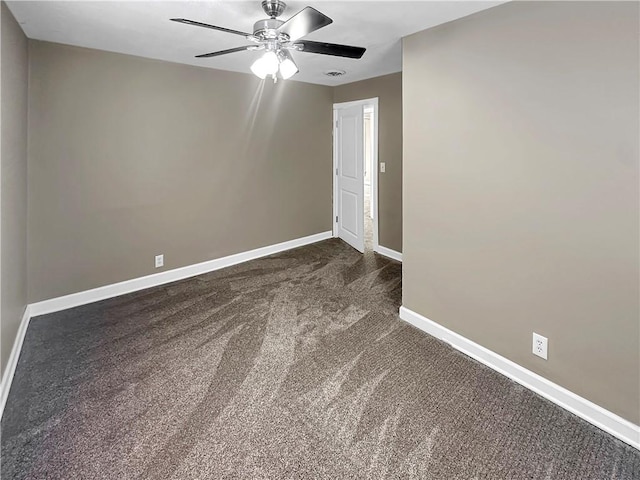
(349, 151)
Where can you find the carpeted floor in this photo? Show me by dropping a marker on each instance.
(291, 366)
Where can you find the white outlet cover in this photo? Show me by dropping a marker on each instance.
(540, 345)
(159, 261)
(382, 167)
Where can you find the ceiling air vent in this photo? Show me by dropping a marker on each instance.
(334, 73)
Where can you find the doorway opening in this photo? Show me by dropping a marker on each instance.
(355, 167)
(369, 115)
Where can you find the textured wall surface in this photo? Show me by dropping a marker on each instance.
(521, 188)
(13, 170)
(130, 158)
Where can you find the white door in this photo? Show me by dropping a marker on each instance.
(350, 175)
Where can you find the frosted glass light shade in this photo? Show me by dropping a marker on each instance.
(265, 65)
(288, 68)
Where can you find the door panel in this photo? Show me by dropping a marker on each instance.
(349, 150)
(349, 209)
(350, 160)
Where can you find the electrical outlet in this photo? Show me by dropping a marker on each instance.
(159, 261)
(540, 345)
(383, 167)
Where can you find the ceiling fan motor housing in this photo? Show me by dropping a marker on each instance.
(273, 8)
(267, 29)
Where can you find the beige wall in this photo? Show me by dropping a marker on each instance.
(521, 188)
(130, 158)
(388, 89)
(13, 172)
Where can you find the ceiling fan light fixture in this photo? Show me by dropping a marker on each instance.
(265, 65)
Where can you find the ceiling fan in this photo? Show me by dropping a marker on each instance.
(278, 38)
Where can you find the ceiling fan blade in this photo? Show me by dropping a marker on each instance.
(303, 23)
(206, 25)
(331, 49)
(224, 52)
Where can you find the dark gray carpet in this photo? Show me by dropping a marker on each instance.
(292, 366)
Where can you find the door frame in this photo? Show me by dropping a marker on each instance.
(375, 168)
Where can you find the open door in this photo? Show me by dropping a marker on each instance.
(349, 151)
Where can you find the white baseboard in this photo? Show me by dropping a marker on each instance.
(583, 408)
(10, 368)
(133, 285)
(387, 252)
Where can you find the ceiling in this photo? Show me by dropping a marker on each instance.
(143, 28)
